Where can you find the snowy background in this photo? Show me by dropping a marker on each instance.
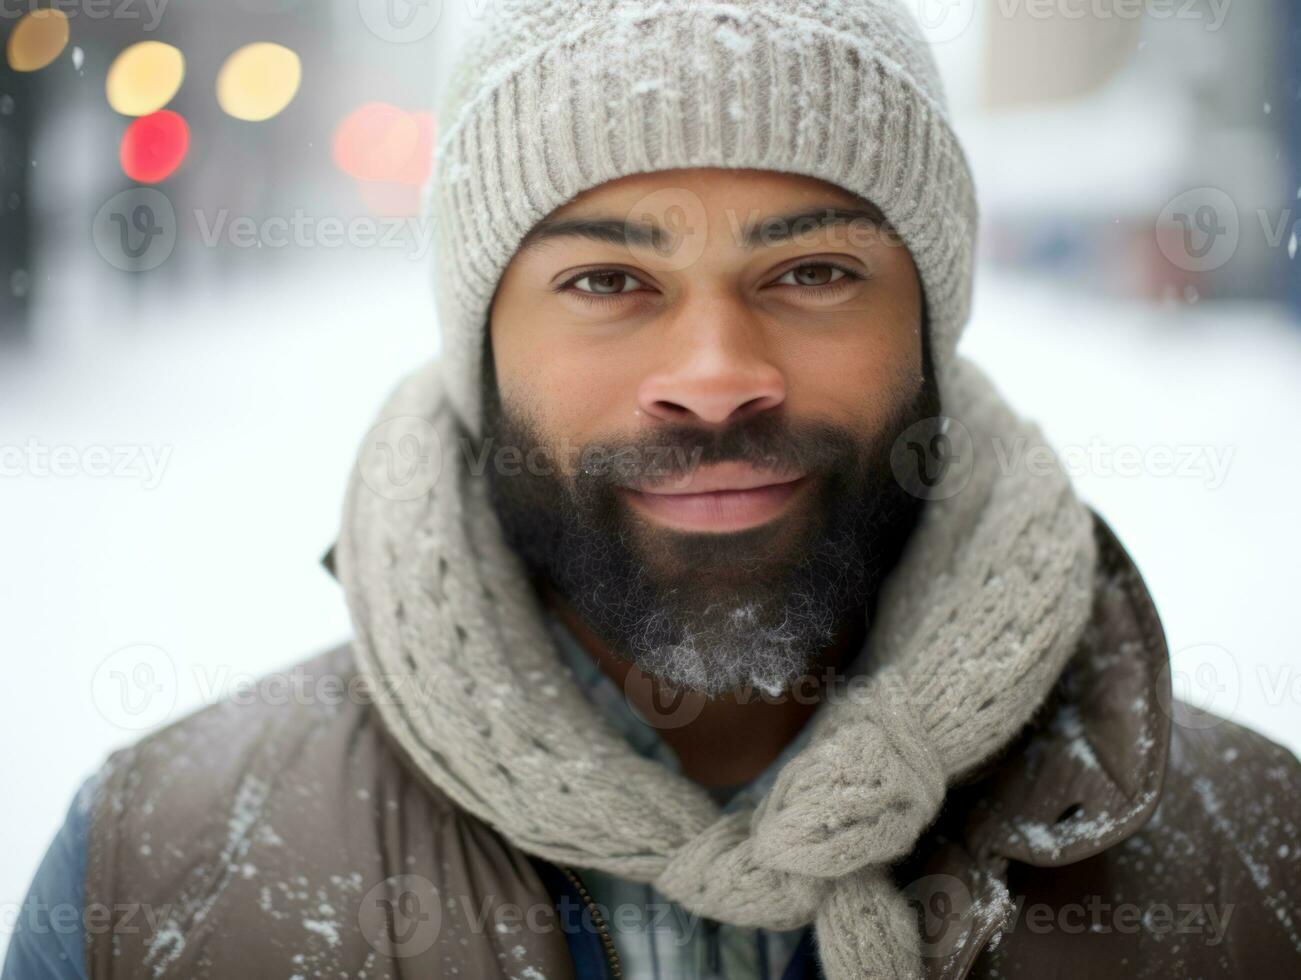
(253, 376)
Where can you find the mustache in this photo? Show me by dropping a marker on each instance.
(674, 451)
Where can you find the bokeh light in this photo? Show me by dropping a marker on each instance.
(153, 146)
(419, 165)
(144, 78)
(37, 39)
(258, 81)
(381, 142)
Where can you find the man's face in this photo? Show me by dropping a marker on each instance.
(706, 392)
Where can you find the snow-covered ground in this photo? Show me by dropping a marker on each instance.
(251, 403)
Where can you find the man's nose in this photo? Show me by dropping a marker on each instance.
(716, 367)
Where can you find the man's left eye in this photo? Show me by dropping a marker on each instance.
(820, 274)
(607, 283)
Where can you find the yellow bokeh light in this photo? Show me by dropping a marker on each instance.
(258, 81)
(144, 77)
(37, 39)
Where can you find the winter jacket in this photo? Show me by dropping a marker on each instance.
(1122, 833)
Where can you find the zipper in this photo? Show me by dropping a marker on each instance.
(607, 942)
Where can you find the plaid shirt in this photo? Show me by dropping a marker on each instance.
(656, 938)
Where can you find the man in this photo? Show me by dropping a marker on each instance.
(702, 627)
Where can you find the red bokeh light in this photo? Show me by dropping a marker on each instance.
(153, 146)
(380, 142)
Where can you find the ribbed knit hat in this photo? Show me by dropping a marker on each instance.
(550, 98)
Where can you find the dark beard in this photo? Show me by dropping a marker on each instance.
(710, 612)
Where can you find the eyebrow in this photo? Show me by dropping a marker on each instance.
(770, 231)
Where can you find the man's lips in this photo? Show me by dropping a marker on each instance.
(726, 497)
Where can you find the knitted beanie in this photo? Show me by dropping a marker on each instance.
(550, 98)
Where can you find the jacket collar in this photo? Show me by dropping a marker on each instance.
(1088, 771)
(1085, 774)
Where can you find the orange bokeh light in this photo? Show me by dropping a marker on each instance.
(37, 39)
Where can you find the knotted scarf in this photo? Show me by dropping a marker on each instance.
(971, 629)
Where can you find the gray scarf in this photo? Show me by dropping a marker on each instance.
(972, 629)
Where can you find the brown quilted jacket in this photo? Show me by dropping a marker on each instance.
(1122, 834)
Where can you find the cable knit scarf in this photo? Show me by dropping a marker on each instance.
(972, 629)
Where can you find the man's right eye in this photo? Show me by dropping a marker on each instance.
(603, 284)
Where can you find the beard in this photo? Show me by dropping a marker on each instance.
(704, 611)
